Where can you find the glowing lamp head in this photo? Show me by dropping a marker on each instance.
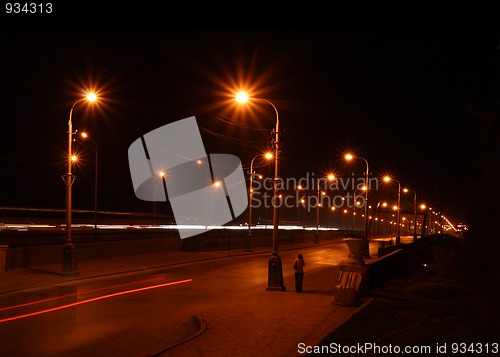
(268, 155)
(241, 97)
(161, 174)
(348, 157)
(331, 177)
(387, 179)
(84, 135)
(91, 97)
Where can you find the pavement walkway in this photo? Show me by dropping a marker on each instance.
(263, 323)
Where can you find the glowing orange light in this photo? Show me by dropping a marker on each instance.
(91, 97)
(161, 173)
(241, 97)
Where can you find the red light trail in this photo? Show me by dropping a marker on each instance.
(94, 299)
(72, 294)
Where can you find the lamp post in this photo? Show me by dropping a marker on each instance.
(275, 268)
(68, 254)
(354, 205)
(398, 229)
(366, 250)
(300, 204)
(384, 206)
(268, 156)
(86, 136)
(414, 213)
(423, 230)
(330, 177)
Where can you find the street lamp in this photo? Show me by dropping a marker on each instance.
(423, 230)
(160, 175)
(267, 156)
(275, 268)
(68, 253)
(330, 177)
(398, 234)
(366, 250)
(355, 203)
(87, 137)
(414, 213)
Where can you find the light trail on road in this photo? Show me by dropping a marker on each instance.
(94, 299)
(73, 294)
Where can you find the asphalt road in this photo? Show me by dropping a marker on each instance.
(137, 314)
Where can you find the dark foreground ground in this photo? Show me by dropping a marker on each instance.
(451, 310)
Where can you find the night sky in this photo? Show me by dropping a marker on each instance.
(403, 100)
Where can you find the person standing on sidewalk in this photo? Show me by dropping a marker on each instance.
(298, 266)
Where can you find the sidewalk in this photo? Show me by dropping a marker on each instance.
(263, 323)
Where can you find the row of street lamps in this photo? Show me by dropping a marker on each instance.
(275, 270)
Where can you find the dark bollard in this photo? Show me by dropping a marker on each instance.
(275, 274)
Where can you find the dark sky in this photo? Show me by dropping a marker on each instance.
(399, 99)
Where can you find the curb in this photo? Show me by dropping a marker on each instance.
(200, 324)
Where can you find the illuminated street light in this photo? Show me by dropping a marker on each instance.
(414, 213)
(398, 234)
(355, 203)
(267, 156)
(366, 248)
(68, 255)
(160, 175)
(87, 137)
(330, 177)
(275, 268)
(423, 230)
